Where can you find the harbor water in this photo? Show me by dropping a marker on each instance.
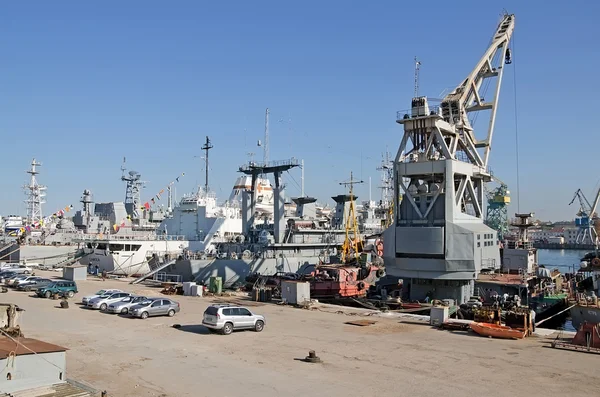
(563, 260)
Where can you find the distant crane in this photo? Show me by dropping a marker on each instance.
(497, 209)
(586, 216)
(351, 243)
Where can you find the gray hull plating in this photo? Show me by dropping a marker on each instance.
(235, 270)
(579, 314)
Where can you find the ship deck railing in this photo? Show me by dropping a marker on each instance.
(129, 237)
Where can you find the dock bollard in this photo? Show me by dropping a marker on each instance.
(312, 357)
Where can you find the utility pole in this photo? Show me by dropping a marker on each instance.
(207, 146)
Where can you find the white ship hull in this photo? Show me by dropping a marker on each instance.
(129, 257)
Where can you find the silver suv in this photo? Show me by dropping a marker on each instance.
(227, 318)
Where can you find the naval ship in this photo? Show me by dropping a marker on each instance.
(586, 307)
(197, 223)
(295, 243)
(54, 239)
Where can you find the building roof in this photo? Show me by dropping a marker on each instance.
(8, 345)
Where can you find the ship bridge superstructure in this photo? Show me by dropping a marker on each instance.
(438, 242)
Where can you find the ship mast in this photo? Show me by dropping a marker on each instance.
(207, 146)
(35, 195)
(266, 143)
(133, 190)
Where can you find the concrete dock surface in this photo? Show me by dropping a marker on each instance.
(133, 357)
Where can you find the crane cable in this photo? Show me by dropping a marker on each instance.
(516, 127)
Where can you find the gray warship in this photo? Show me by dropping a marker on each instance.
(292, 244)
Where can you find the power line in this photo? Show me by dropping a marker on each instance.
(516, 130)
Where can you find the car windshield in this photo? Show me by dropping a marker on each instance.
(146, 302)
(104, 296)
(139, 299)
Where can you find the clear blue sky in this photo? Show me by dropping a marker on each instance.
(83, 84)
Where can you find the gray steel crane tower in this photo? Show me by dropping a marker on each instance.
(586, 219)
(438, 242)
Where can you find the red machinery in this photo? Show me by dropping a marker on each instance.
(586, 339)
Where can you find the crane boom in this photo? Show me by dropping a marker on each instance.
(593, 207)
(466, 98)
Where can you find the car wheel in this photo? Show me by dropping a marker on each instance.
(171, 313)
(124, 310)
(259, 326)
(227, 329)
(26, 272)
(144, 315)
(70, 294)
(103, 306)
(47, 294)
(27, 289)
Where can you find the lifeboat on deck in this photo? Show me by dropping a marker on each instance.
(497, 331)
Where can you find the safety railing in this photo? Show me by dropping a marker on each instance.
(129, 237)
(293, 162)
(167, 278)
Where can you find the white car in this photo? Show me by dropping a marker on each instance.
(21, 269)
(12, 280)
(26, 280)
(88, 298)
(103, 301)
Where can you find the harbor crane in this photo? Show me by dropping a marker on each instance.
(586, 218)
(438, 242)
(497, 209)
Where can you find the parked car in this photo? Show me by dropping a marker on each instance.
(5, 275)
(22, 269)
(7, 266)
(125, 304)
(88, 298)
(26, 280)
(16, 277)
(62, 288)
(154, 307)
(40, 283)
(103, 301)
(229, 318)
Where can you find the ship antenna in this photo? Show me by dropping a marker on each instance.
(123, 169)
(417, 68)
(207, 146)
(266, 144)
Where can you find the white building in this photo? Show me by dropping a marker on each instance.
(560, 235)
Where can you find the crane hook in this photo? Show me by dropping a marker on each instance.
(508, 58)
